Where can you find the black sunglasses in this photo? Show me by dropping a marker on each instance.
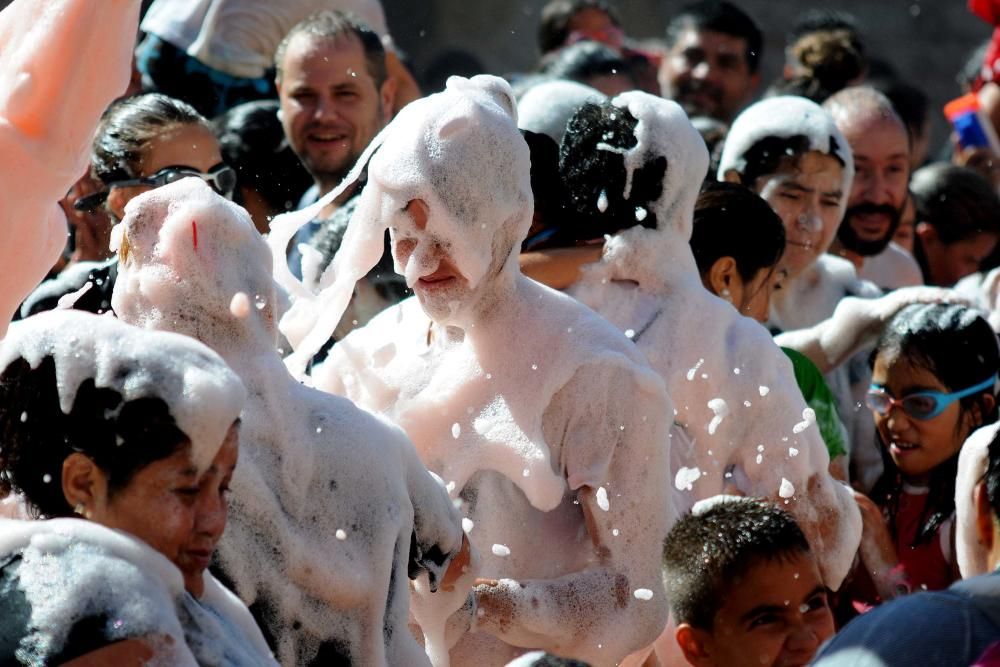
(222, 179)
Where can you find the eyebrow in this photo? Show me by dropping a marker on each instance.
(189, 472)
(763, 609)
(798, 187)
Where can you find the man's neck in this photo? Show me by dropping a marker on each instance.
(838, 249)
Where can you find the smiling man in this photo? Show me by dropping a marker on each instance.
(711, 68)
(881, 147)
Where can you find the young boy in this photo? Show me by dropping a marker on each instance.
(744, 587)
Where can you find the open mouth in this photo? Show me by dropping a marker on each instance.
(902, 448)
(437, 280)
(327, 137)
(805, 245)
(200, 558)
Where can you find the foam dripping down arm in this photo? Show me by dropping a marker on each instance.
(51, 100)
(616, 604)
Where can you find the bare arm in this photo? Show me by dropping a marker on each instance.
(126, 653)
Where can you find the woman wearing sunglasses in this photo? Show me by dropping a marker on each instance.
(934, 372)
(142, 142)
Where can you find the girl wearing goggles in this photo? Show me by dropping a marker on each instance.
(933, 375)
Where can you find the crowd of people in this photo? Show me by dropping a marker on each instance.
(627, 360)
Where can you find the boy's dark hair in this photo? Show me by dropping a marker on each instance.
(121, 438)
(958, 346)
(553, 31)
(588, 172)
(723, 17)
(332, 25)
(828, 61)
(253, 143)
(732, 221)
(768, 155)
(584, 60)
(706, 554)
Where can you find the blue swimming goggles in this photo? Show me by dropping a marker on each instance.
(921, 404)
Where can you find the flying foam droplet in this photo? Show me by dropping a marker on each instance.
(602, 499)
(787, 489)
(24, 417)
(643, 594)
(467, 525)
(47, 478)
(763, 391)
(615, 531)
(630, 333)
(602, 202)
(341, 534)
(640, 214)
(686, 477)
(501, 550)
(456, 430)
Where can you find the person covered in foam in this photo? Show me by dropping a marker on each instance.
(134, 435)
(739, 413)
(546, 424)
(50, 102)
(331, 509)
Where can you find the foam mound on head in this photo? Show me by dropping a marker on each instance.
(785, 116)
(547, 107)
(187, 252)
(203, 395)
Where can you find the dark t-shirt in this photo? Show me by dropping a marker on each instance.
(87, 634)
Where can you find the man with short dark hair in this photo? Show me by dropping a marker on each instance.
(712, 65)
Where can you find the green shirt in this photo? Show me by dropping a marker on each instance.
(819, 397)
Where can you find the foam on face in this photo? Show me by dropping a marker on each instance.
(50, 103)
(330, 506)
(547, 107)
(558, 445)
(203, 395)
(735, 430)
(786, 116)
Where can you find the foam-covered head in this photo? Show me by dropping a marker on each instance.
(203, 395)
(664, 130)
(547, 107)
(785, 117)
(192, 261)
(459, 157)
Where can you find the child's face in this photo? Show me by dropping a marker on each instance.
(776, 615)
(916, 446)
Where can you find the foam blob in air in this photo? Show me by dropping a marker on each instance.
(648, 281)
(545, 429)
(311, 464)
(50, 102)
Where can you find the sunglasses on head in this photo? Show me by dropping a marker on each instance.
(921, 404)
(222, 179)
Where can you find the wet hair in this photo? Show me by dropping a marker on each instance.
(960, 349)
(588, 172)
(730, 220)
(253, 143)
(333, 25)
(722, 17)
(128, 126)
(585, 60)
(553, 31)
(771, 153)
(707, 553)
(37, 436)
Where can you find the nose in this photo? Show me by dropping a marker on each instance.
(876, 188)
(417, 208)
(212, 514)
(325, 108)
(803, 639)
(810, 220)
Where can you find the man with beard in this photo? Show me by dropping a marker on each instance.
(711, 67)
(880, 144)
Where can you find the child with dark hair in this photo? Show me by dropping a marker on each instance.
(744, 587)
(933, 383)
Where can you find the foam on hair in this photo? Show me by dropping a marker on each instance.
(547, 107)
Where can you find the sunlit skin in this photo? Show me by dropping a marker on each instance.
(331, 107)
(190, 145)
(166, 504)
(707, 73)
(806, 195)
(752, 298)
(918, 446)
(881, 148)
(777, 614)
(947, 263)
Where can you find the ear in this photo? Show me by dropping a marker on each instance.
(975, 415)
(693, 644)
(84, 484)
(387, 95)
(722, 275)
(984, 516)
(925, 232)
(732, 176)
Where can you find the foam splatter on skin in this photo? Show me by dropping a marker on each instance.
(203, 395)
(50, 102)
(311, 464)
(543, 424)
(648, 281)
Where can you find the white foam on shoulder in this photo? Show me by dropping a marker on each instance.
(203, 395)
